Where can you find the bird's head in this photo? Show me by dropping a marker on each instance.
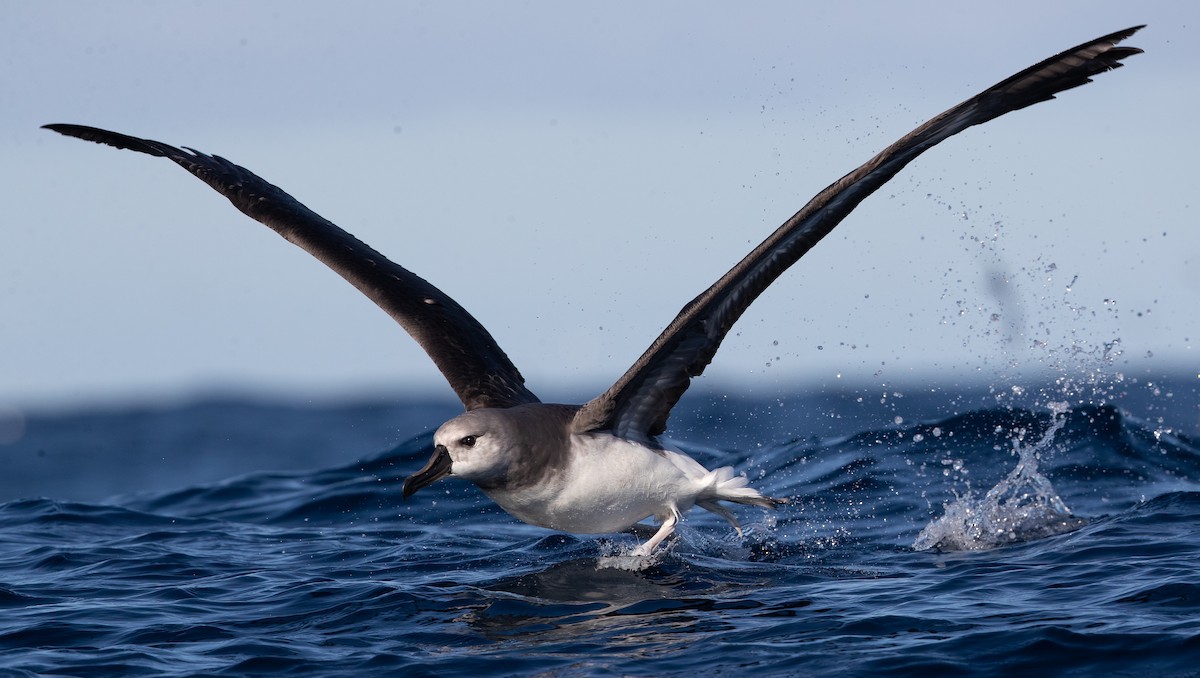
(476, 446)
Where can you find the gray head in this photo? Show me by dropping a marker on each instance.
(494, 447)
(479, 446)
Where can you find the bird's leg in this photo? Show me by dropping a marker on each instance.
(723, 512)
(664, 531)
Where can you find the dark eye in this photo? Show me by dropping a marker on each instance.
(468, 441)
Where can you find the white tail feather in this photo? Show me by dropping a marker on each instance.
(723, 485)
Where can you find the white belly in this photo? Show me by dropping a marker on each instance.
(609, 485)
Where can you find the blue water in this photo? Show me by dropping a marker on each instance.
(1064, 535)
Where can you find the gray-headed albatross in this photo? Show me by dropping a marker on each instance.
(600, 467)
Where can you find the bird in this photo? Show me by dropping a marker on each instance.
(603, 466)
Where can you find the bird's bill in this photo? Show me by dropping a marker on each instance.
(438, 466)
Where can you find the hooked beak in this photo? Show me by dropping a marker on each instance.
(438, 466)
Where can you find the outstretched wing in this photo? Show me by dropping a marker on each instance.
(478, 371)
(637, 406)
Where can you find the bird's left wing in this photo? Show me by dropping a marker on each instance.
(638, 404)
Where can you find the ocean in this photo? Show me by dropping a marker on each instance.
(1041, 529)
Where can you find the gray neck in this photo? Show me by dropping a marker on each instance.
(544, 432)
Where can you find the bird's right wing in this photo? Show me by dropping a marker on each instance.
(478, 371)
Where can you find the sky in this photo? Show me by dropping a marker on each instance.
(573, 173)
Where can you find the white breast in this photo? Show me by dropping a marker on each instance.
(608, 485)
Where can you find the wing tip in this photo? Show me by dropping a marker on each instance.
(109, 138)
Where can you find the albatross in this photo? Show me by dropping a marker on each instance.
(600, 467)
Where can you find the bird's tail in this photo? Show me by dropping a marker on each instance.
(724, 485)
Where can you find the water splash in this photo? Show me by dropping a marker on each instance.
(626, 558)
(1021, 507)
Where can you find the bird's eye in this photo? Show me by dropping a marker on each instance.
(468, 441)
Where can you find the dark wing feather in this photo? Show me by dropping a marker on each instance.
(478, 371)
(637, 406)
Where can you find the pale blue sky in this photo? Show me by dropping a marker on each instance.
(573, 174)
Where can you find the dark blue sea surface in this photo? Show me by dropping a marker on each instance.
(932, 530)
